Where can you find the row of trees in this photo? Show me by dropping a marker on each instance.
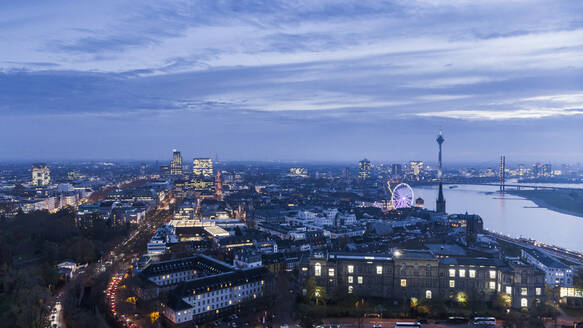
(317, 304)
(30, 247)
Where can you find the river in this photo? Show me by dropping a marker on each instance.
(509, 214)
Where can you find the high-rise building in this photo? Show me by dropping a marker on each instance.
(202, 167)
(502, 172)
(176, 163)
(298, 172)
(364, 169)
(537, 170)
(41, 174)
(521, 170)
(416, 167)
(547, 170)
(396, 170)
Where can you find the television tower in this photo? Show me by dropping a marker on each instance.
(440, 203)
(439, 140)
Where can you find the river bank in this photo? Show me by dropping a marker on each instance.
(563, 201)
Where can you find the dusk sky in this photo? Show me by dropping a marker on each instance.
(298, 80)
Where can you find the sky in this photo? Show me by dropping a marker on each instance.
(292, 80)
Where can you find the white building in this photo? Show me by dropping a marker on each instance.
(246, 260)
(164, 235)
(556, 273)
(41, 175)
(209, 297)
(202, 167)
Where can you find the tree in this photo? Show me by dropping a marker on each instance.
(315, 292)
(502, 301)
(578, 279)
(542, 310)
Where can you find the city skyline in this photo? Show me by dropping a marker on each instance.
(292, 81)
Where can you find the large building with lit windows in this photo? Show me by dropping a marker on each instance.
(176, 163)
(41, 175)
(406, 274)
(202, 167)
(202, 288)
(416, 168)
(556, 272)
(364, 169)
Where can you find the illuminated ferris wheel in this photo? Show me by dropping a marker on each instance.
(402, 196)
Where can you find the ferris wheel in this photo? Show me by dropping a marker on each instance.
(402, 196)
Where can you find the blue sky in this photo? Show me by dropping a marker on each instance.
(297, 80)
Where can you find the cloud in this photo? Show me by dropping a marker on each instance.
(503, 115)
(279, 63)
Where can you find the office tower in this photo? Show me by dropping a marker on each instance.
(219, 185)
(537, 170)
(164, 169)
(396, 170)
(298, 172)
(501, 173)
(416, 167)
(202, 167)
(364, 169)
(176, 163)
(547, 170)
(521, 170)
(41, 174)
(440, 202)
(346, 173)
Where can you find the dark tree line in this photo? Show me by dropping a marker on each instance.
(31, 245)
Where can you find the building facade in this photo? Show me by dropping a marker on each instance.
(214, 295)
(202, 167)
(407, 274)
(41, 175)
(176, 163)
(556, 273)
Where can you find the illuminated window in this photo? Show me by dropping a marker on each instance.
(472, 273)
(318, 269)
(349, 289)
(523, 291)
(452, 283)
(523, 302)
(304, 269)
(538, 291)
(508, 290)
(403, 282)
(351, 269)
(452, 272)
(360, 280)
(379, 269)
(492, 285)
(350, 279)
(492, 274)
(428, 294)
(331, 272)
(462, 273)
